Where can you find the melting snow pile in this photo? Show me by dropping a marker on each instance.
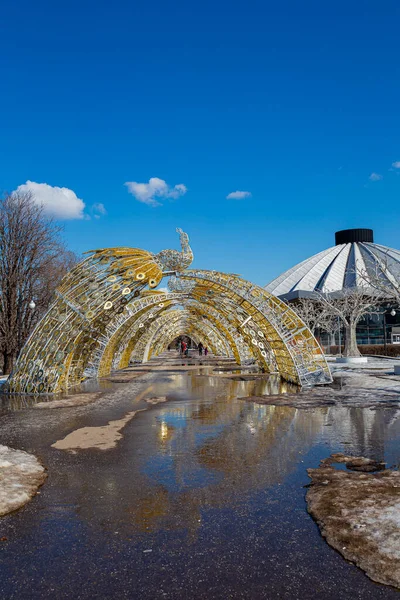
(20, 476)
(359, 515)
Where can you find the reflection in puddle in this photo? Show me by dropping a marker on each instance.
(205, 447)
(204, 385)
(201, 487)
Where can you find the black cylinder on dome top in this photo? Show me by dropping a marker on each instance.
(347, 236)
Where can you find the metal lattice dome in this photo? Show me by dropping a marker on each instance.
(339, 267)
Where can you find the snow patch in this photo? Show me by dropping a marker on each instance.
(383, 526)
(20, 476)
(359, 515)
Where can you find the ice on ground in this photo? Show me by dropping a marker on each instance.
(350, 388)
(359, 515)
(384, 526)
(104, 437)
(69, 401)
(368, 380)
(21, 474)
(156, 399)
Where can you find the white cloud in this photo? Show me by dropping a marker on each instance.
(98, 210)
(155, 188)
(238, 195)
(375, 177)
(61, 203)
(396, 164)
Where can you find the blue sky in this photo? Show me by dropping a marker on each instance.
(296, 103)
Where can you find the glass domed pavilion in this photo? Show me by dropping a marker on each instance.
(338, 268)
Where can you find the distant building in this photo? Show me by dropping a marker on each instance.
(335, 270)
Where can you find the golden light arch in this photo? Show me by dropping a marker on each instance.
(123, 336)
(128, 342)
(161, 334)
(107, 312)
(132, 337)
(156, 338)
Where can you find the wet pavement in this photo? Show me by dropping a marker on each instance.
(202, 496)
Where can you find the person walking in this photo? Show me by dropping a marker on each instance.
(184, 349)
(200, 348)
(205, 351)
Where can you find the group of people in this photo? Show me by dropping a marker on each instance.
(202, 349)
(184, 349)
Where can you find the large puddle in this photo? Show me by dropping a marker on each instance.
(201, 496)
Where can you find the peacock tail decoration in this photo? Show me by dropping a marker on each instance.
(144, 266)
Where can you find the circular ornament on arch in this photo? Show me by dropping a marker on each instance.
(51, 377)
(108, 305)
(35, 370)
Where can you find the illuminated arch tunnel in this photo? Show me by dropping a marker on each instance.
(108, 312)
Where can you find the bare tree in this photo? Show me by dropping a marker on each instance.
(309, 310)
(383, 277)
(32, 263)
(350, 306)
(316, 316)
(330, 323)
